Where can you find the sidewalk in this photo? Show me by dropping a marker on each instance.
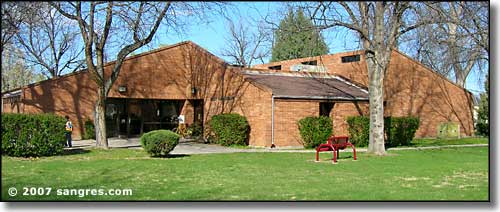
(192, 147)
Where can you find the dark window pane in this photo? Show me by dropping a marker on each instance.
(351, 58)
(312, 62)
(275, 67)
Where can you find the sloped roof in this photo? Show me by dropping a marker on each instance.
(308, 86)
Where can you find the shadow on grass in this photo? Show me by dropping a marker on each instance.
(126, 147)
(172, 156)
(176, 156)
(75, 151)
(344, 157)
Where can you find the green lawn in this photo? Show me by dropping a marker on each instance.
(443, 142)
(428, 142)
(441, 174)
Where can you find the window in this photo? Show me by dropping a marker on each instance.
(312, 62)
(325, 108)
(275, 67)
(351, 58)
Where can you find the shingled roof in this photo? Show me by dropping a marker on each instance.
(307, 86)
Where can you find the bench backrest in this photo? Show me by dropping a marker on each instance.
(338, 140)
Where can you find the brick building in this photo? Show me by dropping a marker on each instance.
(156, 87)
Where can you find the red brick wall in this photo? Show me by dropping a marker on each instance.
(73, 95)
(167, 73)
(410, 89)
(355, 71)
(170, 73)
(9, 105)
(287, 113)
(230, 93)
(342, 110)
(255, 104)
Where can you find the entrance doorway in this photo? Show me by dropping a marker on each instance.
(325, 108)
(132, 117)
(198, 112)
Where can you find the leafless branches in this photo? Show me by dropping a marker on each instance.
(379, 26)
(457, 43)
(120, 27)
(49, 40)
(244, 46)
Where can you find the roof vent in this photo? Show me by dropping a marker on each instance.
(308, 68)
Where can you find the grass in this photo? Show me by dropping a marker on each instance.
(441, 174)
(428, 142)
(444, 142)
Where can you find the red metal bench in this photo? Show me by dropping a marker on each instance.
(334, 144)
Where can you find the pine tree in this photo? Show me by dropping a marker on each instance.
(296, 37)
(483, 125)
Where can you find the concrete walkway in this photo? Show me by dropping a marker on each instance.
(192, 147)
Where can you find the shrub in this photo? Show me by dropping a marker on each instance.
(89, 130)
(208, 135)
(359, 130)
(159, 142)
(32, 135)
(195, 129)
(483, 112)
(400, 131)
(482, 129)
(229, 129)
(315, 130)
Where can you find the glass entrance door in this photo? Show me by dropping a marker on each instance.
(133, 117)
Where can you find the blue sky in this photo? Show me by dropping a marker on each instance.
(211, 35)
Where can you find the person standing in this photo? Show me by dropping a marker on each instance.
(69, 130)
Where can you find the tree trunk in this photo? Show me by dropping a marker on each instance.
(460, 77)
(100, 121)
(376, 95)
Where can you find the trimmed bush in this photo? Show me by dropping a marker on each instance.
(195, 129)
(159, 142)
(315, 130)
(89, 130)
(359, 130)
(32, 135)
(229, 129)
(400, 131)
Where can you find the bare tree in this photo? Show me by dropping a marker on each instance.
(15, 72)
(244, 46)
(12, 16)
(143, 19)
(50, 40)
(458, 43)
(123, 27)
(477, 24)
(379, 26)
